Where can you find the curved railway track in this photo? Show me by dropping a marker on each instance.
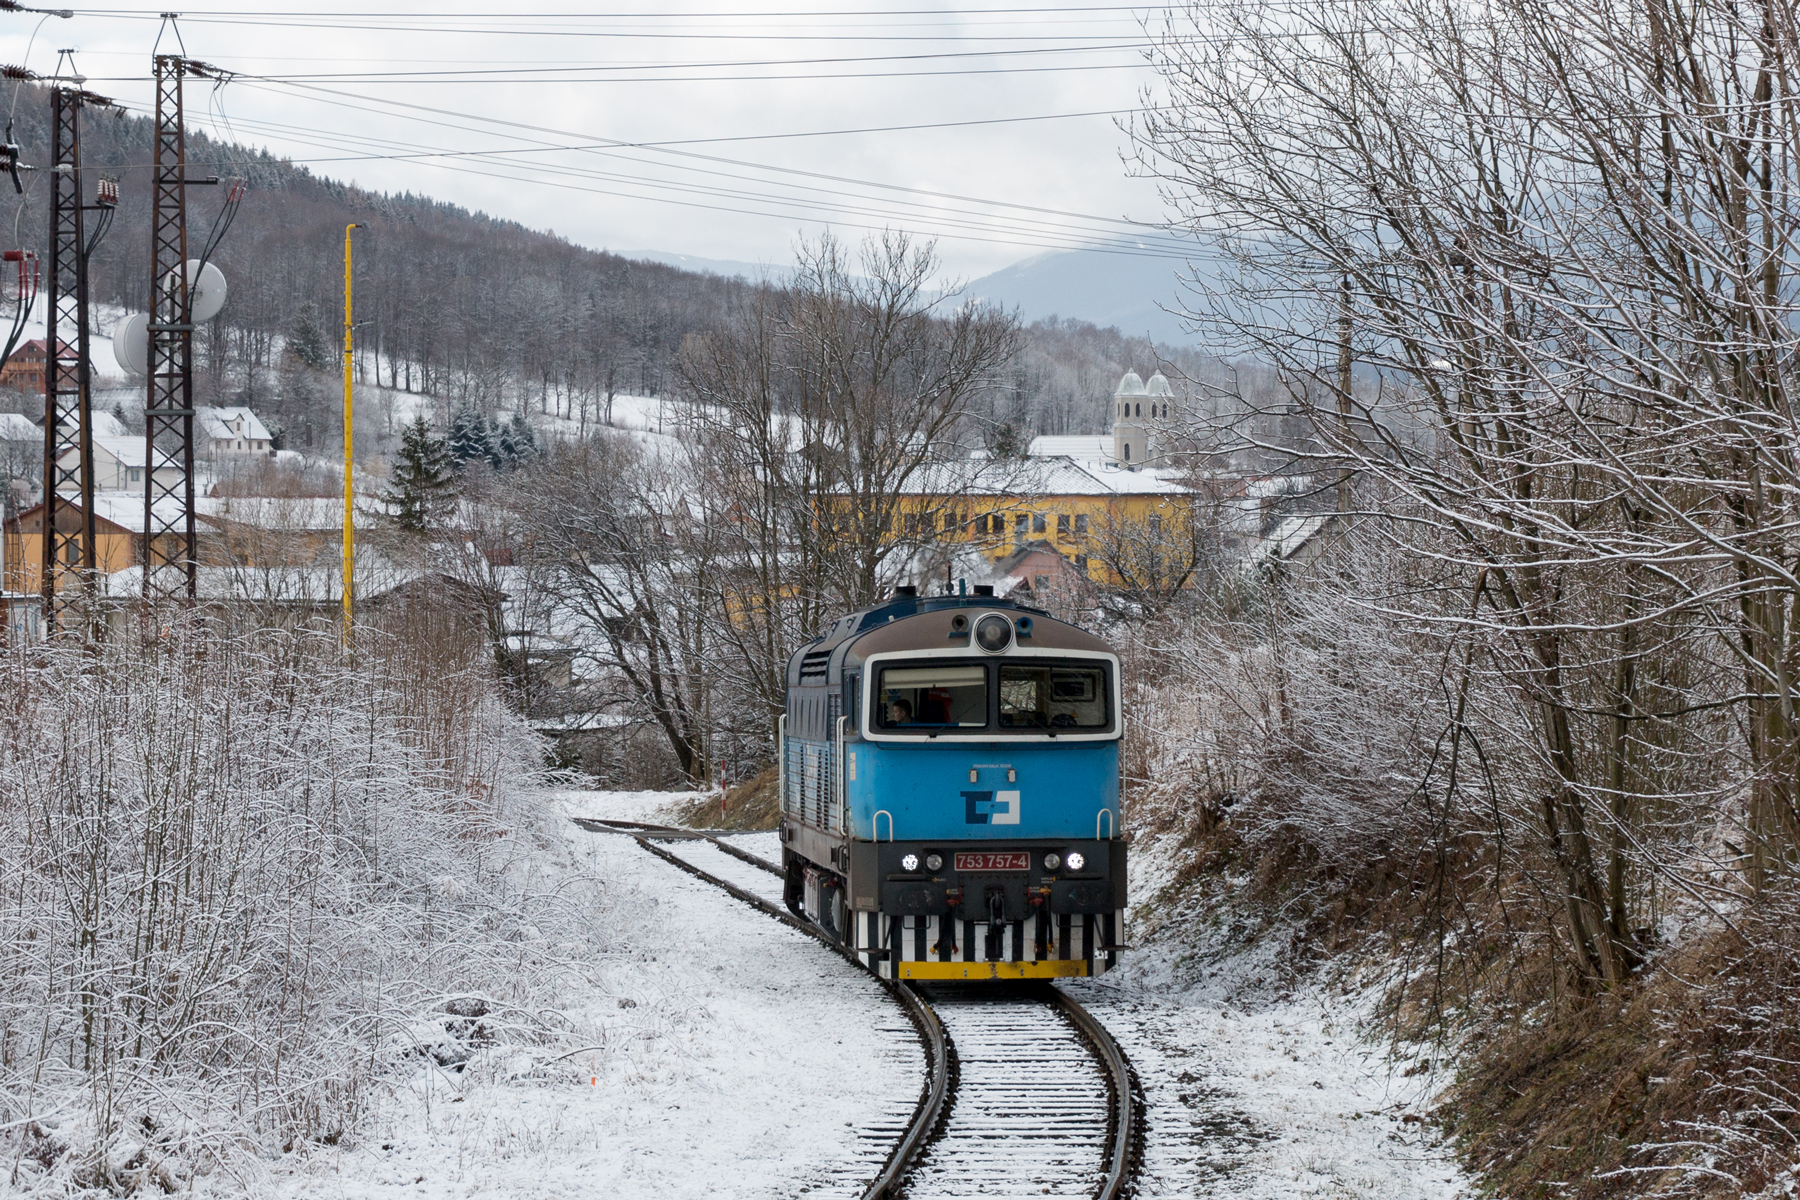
(1026, 1093)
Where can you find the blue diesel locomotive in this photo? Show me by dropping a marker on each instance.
(950, 790)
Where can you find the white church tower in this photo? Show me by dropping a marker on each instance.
(1138, 407)
(1131, 436)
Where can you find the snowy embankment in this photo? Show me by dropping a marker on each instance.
(719, 1054)
(1258, 1084)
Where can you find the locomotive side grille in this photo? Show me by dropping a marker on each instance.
(815, 666)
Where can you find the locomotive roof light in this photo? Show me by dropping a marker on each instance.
(1052, 861)
(993, 633)
(1076, 860)
(933, 861)
(910, 862)
(1024, 626)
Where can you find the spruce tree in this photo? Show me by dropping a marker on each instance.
(470, 438)
(523, 439)
(419, 492)
(306, 339)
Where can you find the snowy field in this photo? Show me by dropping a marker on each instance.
(728, 1056)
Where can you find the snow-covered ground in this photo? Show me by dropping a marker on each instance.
(726, 1055)
(1285, 1097)
(729, 1056)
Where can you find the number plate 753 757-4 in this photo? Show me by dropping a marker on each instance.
(993, 860)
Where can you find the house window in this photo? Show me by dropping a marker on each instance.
(137, 474)
(910, 523)
(1039, 582)
(1080, 523)
(1020, 524)
(1037, 522)
(1062, 525)
(1127, 451)
(1081, 563)
(1140, 410)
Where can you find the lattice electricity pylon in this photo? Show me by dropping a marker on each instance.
(170, 561)
(69, 564)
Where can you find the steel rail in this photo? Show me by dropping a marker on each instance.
(1125, 1134)
(927, 1114)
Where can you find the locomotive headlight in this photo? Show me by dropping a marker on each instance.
(1077, 860)
(1052, 861)
(910, 862)
(993, 633)
(933, 861)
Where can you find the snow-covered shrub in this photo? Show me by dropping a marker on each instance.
(236, 870)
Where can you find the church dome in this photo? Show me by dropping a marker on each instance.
(1131, 385)
(1158, 386)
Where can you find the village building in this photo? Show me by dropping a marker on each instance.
(24, 369)
(224, 432)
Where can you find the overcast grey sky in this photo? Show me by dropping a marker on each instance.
(331, 88)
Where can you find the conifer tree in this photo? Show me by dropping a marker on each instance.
(471, 438)
(306, 339)
(419, 493)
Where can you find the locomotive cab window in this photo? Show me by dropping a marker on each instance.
(1055, 696)
(927, 699)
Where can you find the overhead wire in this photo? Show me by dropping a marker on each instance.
(948, 222)
(945, 213)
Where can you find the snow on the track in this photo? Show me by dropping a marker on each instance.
(729, 1057)
(1256, 1091)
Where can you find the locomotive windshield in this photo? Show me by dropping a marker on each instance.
(938, 697)
(1053, 696)
(1033, 695)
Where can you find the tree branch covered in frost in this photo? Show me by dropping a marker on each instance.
(230, 867)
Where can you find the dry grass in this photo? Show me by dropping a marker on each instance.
(754, 804)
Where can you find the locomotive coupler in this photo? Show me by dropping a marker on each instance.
(996, 930)
(1046, 939)
(946, 943)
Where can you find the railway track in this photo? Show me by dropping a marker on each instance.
(1026, 1093)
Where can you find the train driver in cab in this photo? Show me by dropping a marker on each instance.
(900, 712)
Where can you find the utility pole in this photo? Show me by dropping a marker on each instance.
(170, 558)
(349, 458)
(70, 566)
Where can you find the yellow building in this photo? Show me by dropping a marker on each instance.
(1098, 501)
(118, 536)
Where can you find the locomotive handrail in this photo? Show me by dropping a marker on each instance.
(843, 783)
(781, 761)
(875, 821)
(1111, 829)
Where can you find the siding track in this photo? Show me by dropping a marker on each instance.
(1026, 1093)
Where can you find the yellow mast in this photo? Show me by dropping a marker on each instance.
(349, 445)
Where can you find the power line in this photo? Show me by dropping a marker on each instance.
(993, 227)
(1138, 228)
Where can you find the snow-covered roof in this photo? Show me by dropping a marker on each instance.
(1131, 385)
(107, 425)
(128, 450)
(288, 513)
(1030, 477)
(1159, 386)
(1291, 533)
(225, 424)
(1094, 446)
(17, 427)
(277, 585)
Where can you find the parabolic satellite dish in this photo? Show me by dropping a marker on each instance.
(131, 343)
(206, 290)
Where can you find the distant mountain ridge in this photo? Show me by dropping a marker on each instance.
(1133, 293)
